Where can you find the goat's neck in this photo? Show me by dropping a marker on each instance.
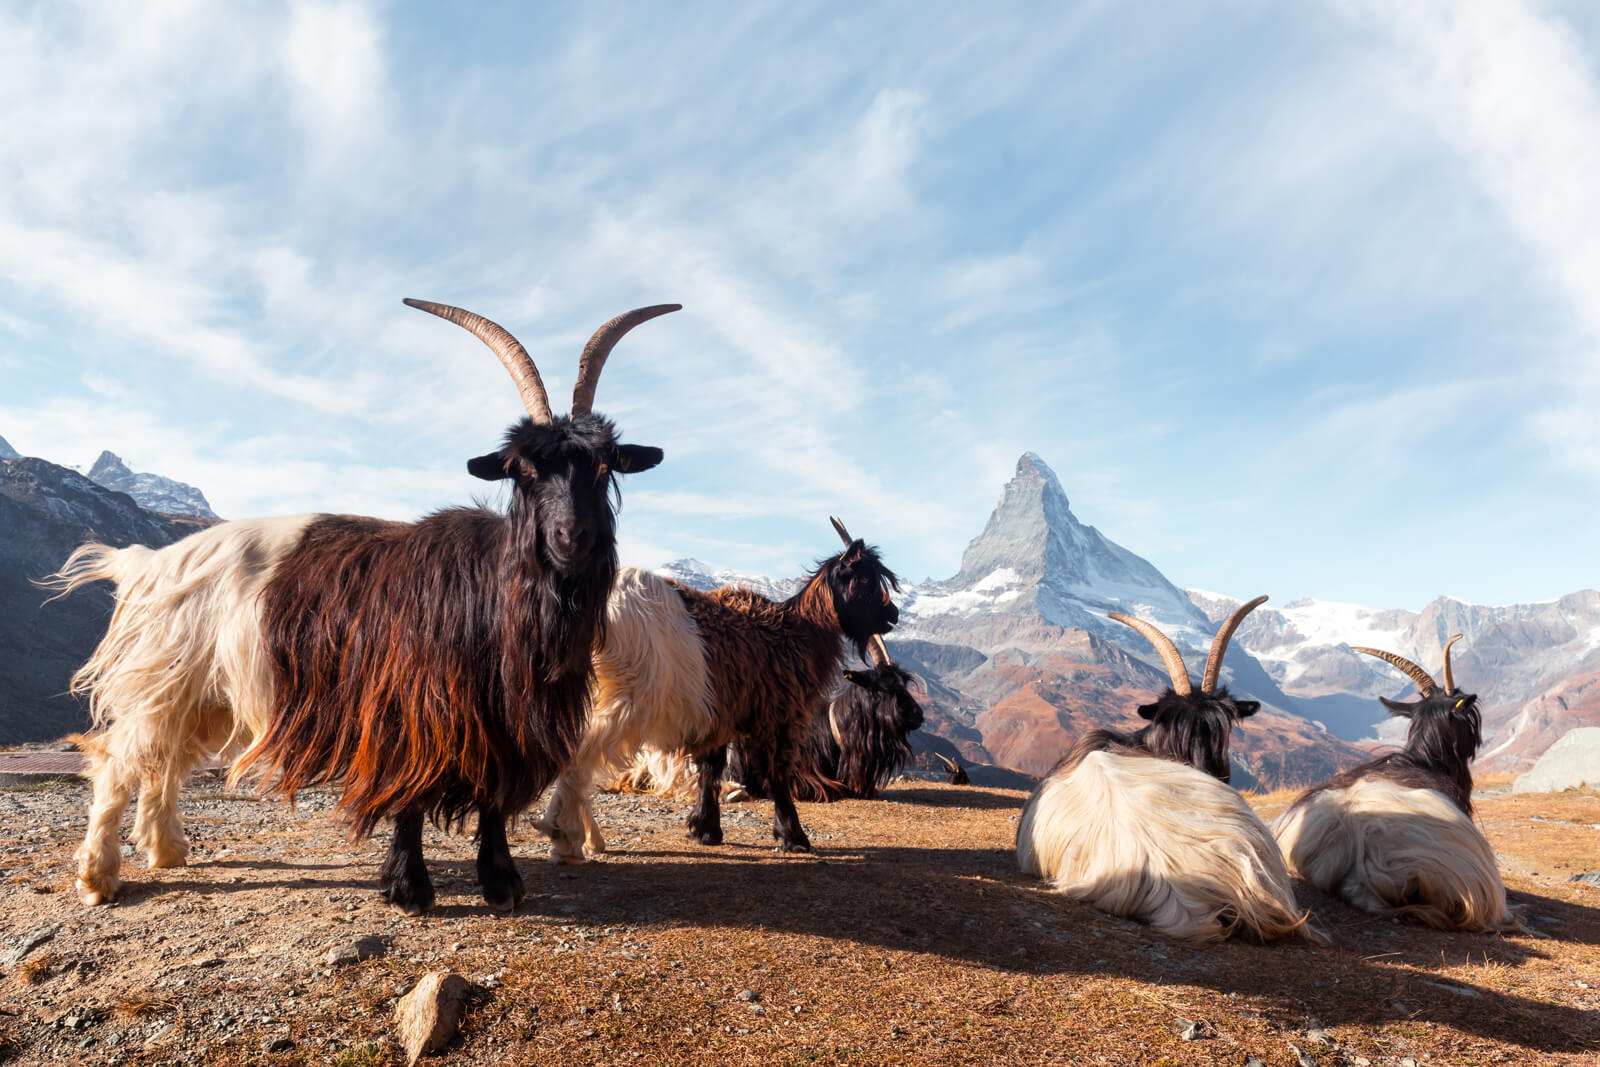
(810, 617)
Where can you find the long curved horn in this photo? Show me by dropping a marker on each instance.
(1449, 679)
(1163, 644)
(1219, 644)
(944, 759)
(844, 535)
(508, 348)
(877, 651)
(600, 346)
(1424, 680)
(833, 724)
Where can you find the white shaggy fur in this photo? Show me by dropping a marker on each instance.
(1394, 849)
(651, 690)
(179, 676)
(1161, 842)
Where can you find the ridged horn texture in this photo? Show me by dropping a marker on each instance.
(508, 348)
(1449, 678)
(945, 760)
(844, 535)
(1163, 644)
(1219, 644)
(1424, 680)
(879, 652)
(593, 359)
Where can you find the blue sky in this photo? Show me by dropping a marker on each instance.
(1299, 298)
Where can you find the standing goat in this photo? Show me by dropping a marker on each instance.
(1144, 825)
(425, 669)
(682, 669)
(853, 750)
(1396, 836)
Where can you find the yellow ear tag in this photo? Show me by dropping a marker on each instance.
(1458, 704)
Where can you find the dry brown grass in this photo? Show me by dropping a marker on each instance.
(907, 937)
(35, 969)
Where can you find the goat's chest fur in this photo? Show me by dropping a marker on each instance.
(408, 669)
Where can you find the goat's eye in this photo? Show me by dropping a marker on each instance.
(601, 472)
(526, 468)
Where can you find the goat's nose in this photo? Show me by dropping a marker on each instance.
(572, 541)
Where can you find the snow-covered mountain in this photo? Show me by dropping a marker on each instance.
(7, 452)
(152, 491)
(1036, 563)
(1021, 658)
(698, 575)
(1533, 665)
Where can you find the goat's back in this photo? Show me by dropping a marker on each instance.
(1392, 848)
(1158, 841)
(182, 657)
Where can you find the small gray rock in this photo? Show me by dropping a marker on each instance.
(277, 1044)
(1591, 877)
(749, 995)
(364, 948)
(31, 941)
(1300, 1058)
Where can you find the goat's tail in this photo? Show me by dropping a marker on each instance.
(92, 562)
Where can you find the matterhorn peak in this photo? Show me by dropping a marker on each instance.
(1035, 558)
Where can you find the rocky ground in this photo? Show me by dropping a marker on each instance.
(906, 937)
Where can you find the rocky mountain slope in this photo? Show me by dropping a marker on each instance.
(1535, 667)
(151, 491)
(45, 512)
(1021, 658)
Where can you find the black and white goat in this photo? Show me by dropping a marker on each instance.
(1144, 825)
(680, 669)
(1396, 836)
(432, 669)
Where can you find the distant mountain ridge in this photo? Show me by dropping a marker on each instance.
(1535, 667)
(7, 452)
(152, 491)
(45, 512)
(1020, 658)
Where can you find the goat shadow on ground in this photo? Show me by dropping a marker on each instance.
(971, 905)
(965, 797)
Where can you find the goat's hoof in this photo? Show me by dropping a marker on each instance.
(95, 897)
(707, 837)
(801, 845)
(158, 859)
(409, 899)
(504, 903)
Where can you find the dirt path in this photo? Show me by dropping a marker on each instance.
(906, 937)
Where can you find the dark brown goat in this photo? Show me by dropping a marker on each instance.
(771, 663)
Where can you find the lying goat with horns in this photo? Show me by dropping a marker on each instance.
(1395, 836)
(1143, 825)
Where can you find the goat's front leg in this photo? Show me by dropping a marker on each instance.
(100, 855)
(404, 877)
(497, 871)
(705, 821)
(786, 828)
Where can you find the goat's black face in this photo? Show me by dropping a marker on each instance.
(1446, 728)
(860, 585)
(1196, 729)
(889, 689)
(566, 471)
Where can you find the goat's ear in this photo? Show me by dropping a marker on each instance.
(853, 676)
(491, 468)
(1247, 708)
(631, 459)
(1397, 708)
(1148, 711)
